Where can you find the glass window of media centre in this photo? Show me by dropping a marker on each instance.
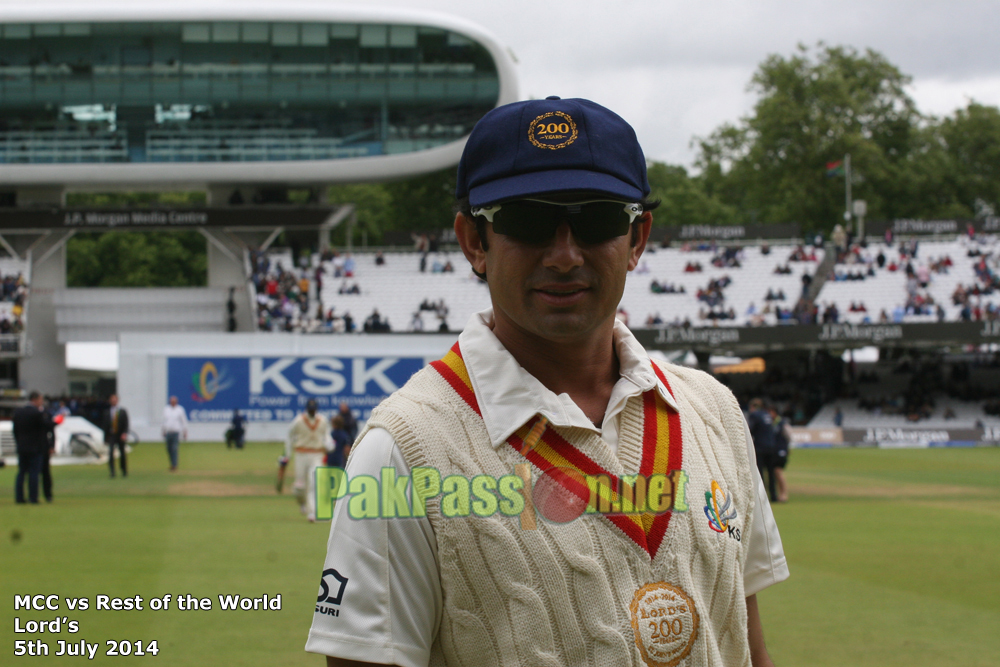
(235, 91)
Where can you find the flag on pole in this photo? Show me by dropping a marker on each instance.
(835, 168)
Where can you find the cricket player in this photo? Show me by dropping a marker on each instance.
(653, 533)
(309, 438)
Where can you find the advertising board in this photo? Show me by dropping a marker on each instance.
(268, 389)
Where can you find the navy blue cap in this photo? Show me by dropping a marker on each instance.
(540, 147)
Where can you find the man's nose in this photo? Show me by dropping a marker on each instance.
(563, 253)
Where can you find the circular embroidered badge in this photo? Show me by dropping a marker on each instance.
(553, 130)
(665, 623)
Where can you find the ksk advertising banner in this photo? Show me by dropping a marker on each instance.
(275, 389)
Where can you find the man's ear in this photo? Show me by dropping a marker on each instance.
(643, 226)
(471, 244)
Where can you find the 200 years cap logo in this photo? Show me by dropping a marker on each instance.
(665, 623)
(553, 130)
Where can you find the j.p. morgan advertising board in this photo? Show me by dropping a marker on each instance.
(268, 389)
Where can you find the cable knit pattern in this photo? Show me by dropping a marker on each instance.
(560, 595)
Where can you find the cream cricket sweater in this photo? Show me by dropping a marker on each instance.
(584, 592)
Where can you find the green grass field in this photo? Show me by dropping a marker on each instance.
(893, 557)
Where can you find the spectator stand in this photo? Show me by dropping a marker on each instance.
(955, 391)
(285, 294)
(709, 284)
(914, 280)
(15, 278)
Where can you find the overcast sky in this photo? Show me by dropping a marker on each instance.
(675, 69)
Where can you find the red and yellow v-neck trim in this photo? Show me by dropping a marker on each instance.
(662, 452)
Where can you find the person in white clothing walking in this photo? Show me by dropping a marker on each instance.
(309, 437)
(174, 427)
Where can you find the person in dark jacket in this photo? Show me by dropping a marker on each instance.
(350, 423)
(762, 431)
(34, 438)
(782, 443)
(238, 429)
(342, 442)
(115, 432)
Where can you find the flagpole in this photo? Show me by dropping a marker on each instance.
(847, 190)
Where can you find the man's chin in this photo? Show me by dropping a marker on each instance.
(564, 327)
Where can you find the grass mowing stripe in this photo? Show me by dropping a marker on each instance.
(892, 560)
(822, 619)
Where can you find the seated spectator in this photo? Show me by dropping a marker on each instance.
(379, 259)
(441, 309)
(349, 265)
(448, 268)
(376, 324)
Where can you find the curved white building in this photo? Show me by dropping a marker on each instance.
(185, 92)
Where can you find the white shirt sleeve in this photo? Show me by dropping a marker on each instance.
(390, 606)
(766, 563)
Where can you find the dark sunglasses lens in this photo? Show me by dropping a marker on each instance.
(535, 222)
(527, 222)
(600, 221)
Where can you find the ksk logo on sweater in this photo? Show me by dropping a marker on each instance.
(720, 511)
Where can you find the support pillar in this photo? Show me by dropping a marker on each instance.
(226, 270)
(44, 367)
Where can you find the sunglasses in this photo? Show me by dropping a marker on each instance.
(534, 221)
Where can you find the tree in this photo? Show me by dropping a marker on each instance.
(972, 141)
(814, 108)
(423, 203)
(372, 207)
(683, 201)
(137, 259)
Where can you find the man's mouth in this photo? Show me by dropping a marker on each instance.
(561, 295)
